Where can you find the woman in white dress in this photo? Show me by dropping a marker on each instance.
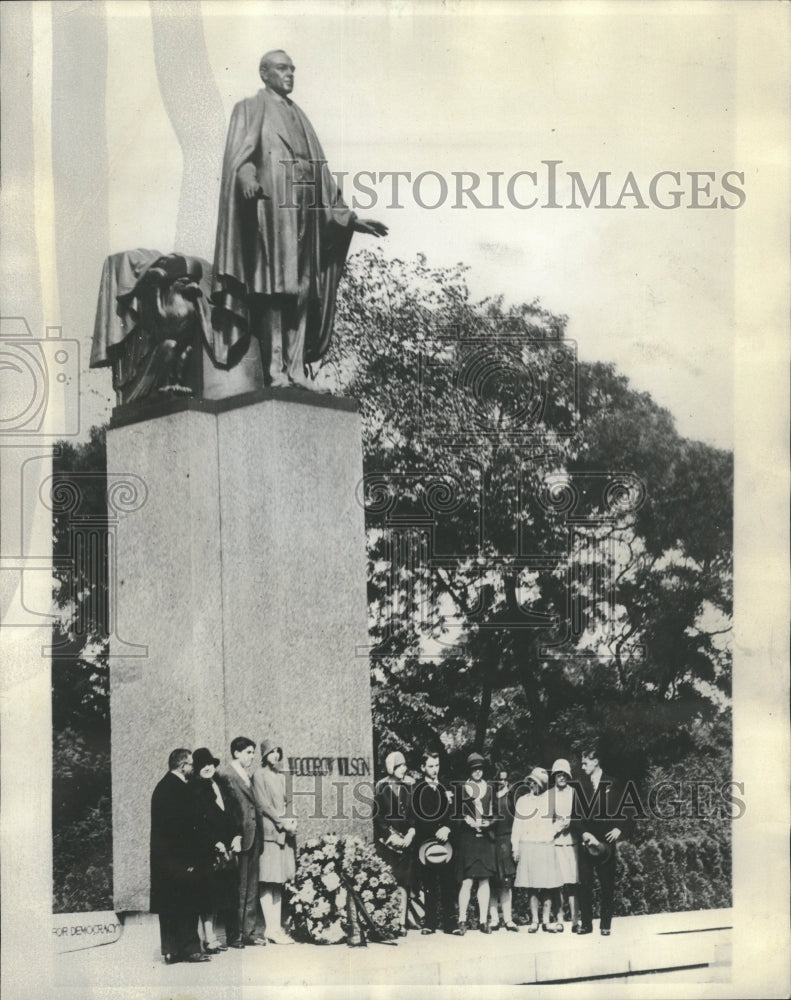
(533, 846)
(561, 799)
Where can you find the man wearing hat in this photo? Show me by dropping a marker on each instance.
(431, 809)
(599, 824)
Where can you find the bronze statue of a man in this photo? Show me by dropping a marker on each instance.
(283, 232)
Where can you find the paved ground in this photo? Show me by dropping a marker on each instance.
(689, 947)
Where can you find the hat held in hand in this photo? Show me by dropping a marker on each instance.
(434, 852)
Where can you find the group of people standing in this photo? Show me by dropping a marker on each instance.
(545, 834)
(222, 843)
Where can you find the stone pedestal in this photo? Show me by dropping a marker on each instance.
(242, 580)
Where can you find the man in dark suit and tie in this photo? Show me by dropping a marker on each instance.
(237, 776)
(175, 854)
(431, 810)
(599, 823)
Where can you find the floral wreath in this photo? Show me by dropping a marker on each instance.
(335, 876)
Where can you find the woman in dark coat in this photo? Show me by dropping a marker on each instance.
(393, 830)
(501, 827)
(475, 853)
(218, 828)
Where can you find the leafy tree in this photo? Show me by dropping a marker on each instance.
(79, 525)
(81, 810)
(491, 542)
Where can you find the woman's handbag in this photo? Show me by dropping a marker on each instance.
(223, 861)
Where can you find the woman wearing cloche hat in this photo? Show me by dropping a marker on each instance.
(561, 800)
(277, 862)
(219, 830)
(532, 841)
(394, 830)
(475, 854)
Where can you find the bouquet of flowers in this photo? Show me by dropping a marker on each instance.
(329, 871)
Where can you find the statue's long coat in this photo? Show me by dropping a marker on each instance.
(256, 251)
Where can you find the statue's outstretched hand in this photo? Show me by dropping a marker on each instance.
(370, 226)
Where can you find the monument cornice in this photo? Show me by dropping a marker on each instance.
(151, 409)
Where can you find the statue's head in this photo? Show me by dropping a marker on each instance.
(277, 71)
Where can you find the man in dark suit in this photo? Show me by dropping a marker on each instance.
(249, 848)
(431, 808)
(174, 860)
(599, 823)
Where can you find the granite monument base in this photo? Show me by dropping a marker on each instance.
(239, 580)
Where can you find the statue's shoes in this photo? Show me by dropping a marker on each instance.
(308, 387)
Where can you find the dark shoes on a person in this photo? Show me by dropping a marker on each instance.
(461, 929)
(428, 930)
(605, 931)
(249, 941)
(509, 925)
(484, 928)
(197, 956)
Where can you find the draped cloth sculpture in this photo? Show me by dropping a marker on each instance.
(152, 317)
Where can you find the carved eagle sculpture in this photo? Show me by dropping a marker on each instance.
(152, 314)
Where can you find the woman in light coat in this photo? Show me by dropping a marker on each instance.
(277, 864)
(533, 846)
